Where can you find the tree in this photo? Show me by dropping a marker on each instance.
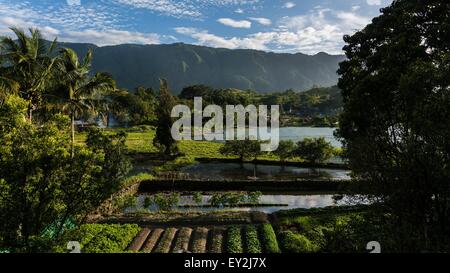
(314, 150)
(29, 65)
(285, 150)
(244, 149)
(163, 137)
(190, 92)
(138, 108)
(395, 86)
(81, 93)
(41, 184)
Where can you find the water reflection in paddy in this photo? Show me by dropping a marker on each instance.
(220, 171)
(279, 202)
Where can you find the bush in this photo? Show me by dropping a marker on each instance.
(234, 241)
(166, 202)
(269, 239)
(252, 240)
(295, 243)
(123, 202)
(100, 238)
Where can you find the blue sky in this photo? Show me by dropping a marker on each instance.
(307, 26)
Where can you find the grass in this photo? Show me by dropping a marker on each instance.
(142, 142)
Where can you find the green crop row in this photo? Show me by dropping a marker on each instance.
(234, 241)
(269, 239)
(251, 239)
(165, 241)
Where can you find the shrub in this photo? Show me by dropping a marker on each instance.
(123, 202)
(295, 243)
(100, 238)
(197, 197)
(269, 239)
(166, 202)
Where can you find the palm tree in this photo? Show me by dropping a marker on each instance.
(82, 94)
(28, 65)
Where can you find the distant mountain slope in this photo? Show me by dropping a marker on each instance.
(183, 65)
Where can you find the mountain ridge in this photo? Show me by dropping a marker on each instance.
(134, 65)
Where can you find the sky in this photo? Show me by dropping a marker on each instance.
(306, 26)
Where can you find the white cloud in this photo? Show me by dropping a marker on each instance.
(184, 8)
(110, 37)
(239, 10)
(355, 8)
(319, 30)
(261, 20)
(233, 23)
(289, 5)
(351, 21)
(205, 38)
(73, 2)
(374, 2)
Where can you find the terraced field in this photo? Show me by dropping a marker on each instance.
(206, 239)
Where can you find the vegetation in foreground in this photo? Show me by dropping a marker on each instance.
(395, 89)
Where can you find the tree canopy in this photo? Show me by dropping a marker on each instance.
(396, 89)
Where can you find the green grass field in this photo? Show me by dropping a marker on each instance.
(142, 142)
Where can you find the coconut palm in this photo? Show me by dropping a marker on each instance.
(82, 94)
(28, 65)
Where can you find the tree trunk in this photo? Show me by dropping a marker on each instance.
(30, 113)
(72, 134)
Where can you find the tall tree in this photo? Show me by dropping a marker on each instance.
(81, 93)
(396, 89)
(29, 65)
(163, 137)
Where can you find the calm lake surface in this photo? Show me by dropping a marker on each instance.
(288, 202)
(299, 133)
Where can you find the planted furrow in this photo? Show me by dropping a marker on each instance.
(199, 240)
(252, 240)
(182, 240)
(166, 241)
(149, 245)
(234, 240)
(139, 240)
(269, 239)
(216, 240)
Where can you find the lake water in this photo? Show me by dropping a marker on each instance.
(224, 171)
(288, 202)
(299, 133)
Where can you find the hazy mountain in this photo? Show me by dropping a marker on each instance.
(183, 65)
